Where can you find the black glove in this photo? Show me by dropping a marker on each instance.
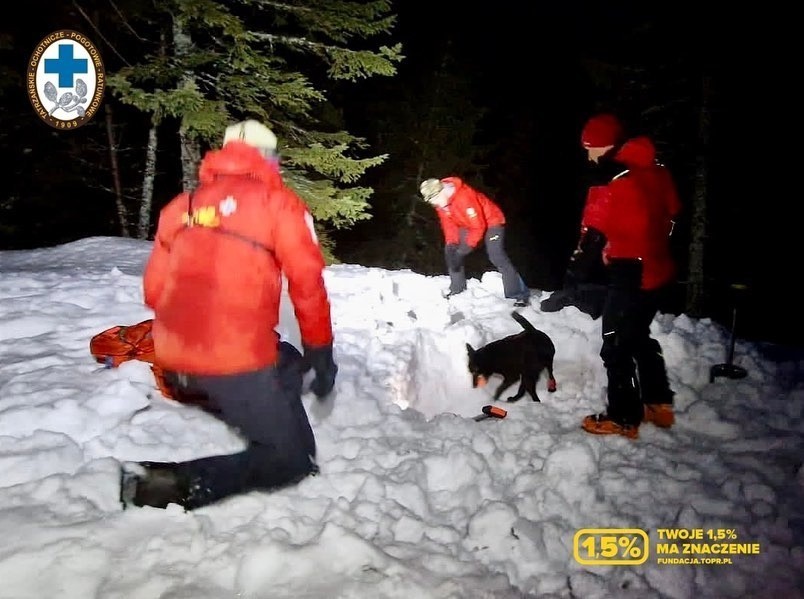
(586, 264)
(321, 361)
(463, 250)
(451, 256)
(455, 254)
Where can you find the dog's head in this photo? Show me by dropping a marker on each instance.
(479, 374)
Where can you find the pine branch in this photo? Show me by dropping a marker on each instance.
(125, 21)
(95, 28)
(339, 20)
(344, 63)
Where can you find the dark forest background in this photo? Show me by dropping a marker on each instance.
(496, 95)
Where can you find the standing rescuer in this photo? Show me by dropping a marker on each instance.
(630, 220)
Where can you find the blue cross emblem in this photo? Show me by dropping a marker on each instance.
(65, 65)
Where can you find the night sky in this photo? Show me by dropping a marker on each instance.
(535, 67)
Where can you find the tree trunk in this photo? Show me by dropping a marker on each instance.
(190, 147)
(144, 223)
(696, 283)
(190, 157)
(412, 238)
(424, 162)
(122, 213)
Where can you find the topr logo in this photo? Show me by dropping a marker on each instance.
(66, 79)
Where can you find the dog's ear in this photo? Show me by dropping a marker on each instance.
(470, 350)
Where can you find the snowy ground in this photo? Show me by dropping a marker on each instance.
(415, 498)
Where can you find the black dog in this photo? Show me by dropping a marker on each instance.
(522, 356)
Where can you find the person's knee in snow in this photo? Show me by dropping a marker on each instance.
(248, 375)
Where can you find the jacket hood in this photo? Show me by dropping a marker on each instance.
(637, 152)
(238, 159)
(456, 182)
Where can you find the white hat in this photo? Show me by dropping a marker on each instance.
(430, 188)
(253, 133)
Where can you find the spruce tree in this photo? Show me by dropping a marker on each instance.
(276, 62)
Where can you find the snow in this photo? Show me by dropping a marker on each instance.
(415, 498)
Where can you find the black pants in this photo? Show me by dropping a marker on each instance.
(265, 406)
(634, 362)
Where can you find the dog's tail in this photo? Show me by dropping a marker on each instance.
(524, 322)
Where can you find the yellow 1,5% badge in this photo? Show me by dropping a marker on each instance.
(611, 546)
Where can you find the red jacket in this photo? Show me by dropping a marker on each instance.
(215, 286)
(635, 212)
(468, 209)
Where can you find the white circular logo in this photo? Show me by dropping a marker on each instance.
(66, 79)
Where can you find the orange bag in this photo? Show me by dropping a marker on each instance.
(120, 344)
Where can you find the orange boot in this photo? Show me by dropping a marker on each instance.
(660, 414)
(602, 424)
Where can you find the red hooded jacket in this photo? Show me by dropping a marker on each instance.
(635, 212)
(468, 209)
(215, 286)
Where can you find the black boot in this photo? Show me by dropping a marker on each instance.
(159, 485)
(557, 300)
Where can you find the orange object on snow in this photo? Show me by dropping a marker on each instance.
(490, 411)
(122, 343)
